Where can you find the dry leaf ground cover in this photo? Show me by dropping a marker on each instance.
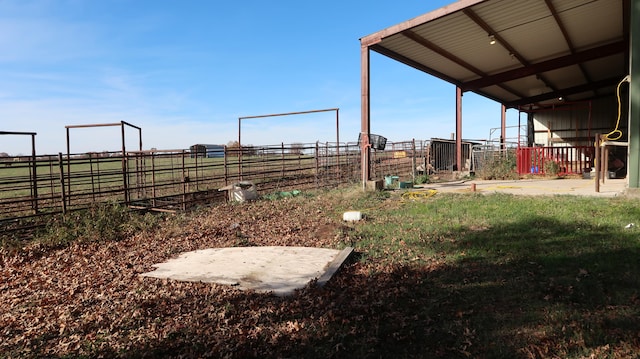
(466, 275)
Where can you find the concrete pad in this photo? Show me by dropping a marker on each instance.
(534, 187)
(280, 270)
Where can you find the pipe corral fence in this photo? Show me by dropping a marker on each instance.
(34, 187)
(163, 179)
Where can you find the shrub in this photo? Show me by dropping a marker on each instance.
(499, 166)
(422, 179)
(99, 223)
(551, 168)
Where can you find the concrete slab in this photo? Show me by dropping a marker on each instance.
(280, 270)
(565, 186)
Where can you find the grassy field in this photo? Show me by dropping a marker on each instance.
(442, 276)
(504, 276)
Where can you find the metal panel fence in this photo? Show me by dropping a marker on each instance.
(561, 160)
(167, 179)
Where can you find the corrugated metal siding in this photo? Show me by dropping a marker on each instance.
(589, 22)
(601, 68)
(538, 40)
(425, 56)
(573, 126)
(567, 76)
(506, 14)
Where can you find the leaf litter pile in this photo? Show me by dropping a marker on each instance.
(88, 299)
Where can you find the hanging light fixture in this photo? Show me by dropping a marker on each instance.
(492, 40)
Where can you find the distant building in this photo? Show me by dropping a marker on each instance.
(208, 151)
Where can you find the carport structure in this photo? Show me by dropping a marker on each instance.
(523, 54)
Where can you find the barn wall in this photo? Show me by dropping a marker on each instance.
(571, 124)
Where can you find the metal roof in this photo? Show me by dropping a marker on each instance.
(544, 50)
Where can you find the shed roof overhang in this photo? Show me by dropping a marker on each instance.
(544, 50)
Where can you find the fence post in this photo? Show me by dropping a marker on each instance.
(125, 177)
(62, 190)
(93, 187)
(413, 160)
(317, 166)
(35, 175)
(597, 162)
(336, 154)
(224, 163)
(197, 179)
(153, 179)
(282, 158)
(185, 179)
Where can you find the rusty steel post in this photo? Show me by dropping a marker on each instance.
(503, 127)
(459, 128)
(184, 185)
(338, 138)
(153, 179)
(125, 178)
(364, 115)
(226, 169)
(62, 191)
(597, 162)
(282, 158)
(317, 165)
(68, 168)
(93, 186)
(413, 160)
(239, 150)
(35, 174)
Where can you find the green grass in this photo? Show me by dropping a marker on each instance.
(507, 276)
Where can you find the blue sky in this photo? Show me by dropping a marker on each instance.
(185, 71)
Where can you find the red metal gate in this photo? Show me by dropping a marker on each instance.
(561, 160)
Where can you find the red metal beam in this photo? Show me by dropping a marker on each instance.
(564, 92)
(560, 62)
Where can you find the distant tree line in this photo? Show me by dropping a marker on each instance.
(248, 150)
